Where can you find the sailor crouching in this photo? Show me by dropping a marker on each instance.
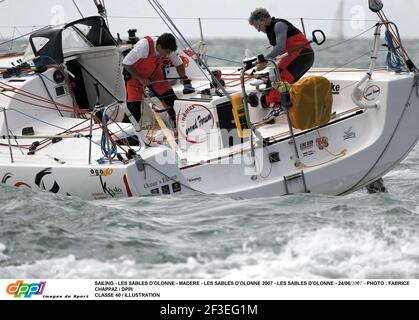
(144, 63)
(284, 37)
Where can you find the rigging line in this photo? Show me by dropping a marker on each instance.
(389, 26)
(346, 63)
(22, 36)
(78, 9)
(17, 30)
(331, 19)
(185, 45)
(230, 19)
(176, 94)
(49, 95)
(393, 30)
(159, 6)
(163, 12)
(319, 50)
(34, 97)
(100, 83)
(49, 79)
(13, 37)
(37, 119)
(104, 14)
(26, 102)
(222, 59)
(45, 100)
(50, 124)
(167, 24)
(177, 18)
(202, 63)
(124, 130)
(65, 130)
(17, 143)
(10, 27)
(347, 40)
(69, 131)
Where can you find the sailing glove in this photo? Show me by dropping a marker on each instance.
(261, 58)
(187, 85)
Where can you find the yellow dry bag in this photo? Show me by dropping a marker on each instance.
(312, 101)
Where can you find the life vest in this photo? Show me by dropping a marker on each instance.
(294, 36)
(295, 39)
(149, 68)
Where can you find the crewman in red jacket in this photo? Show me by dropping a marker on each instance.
(284, 37)
(144, 63)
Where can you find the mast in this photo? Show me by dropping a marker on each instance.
(101, 9)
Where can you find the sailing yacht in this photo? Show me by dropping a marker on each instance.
(64, 128)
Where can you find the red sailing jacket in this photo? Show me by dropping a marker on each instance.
(149, 68)
(294, 39)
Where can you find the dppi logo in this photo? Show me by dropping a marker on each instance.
(27, 290)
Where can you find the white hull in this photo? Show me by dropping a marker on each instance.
(374, 140)
(359, 145)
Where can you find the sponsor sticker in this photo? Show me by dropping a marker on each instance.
(335, 88)
(101, 172)
(195, 123)
(349, 134)
(308, 153)
(322, 142)
(371, 93)
(306, 145)
(176, 187)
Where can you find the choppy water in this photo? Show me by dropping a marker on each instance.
(303, 236)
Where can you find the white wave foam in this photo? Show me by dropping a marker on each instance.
(324, 253)
(2, 255)
(337, 253)
(69, 267)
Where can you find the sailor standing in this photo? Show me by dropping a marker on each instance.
(144, 63)
(283, 36)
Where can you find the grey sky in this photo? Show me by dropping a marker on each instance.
(235, 12)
